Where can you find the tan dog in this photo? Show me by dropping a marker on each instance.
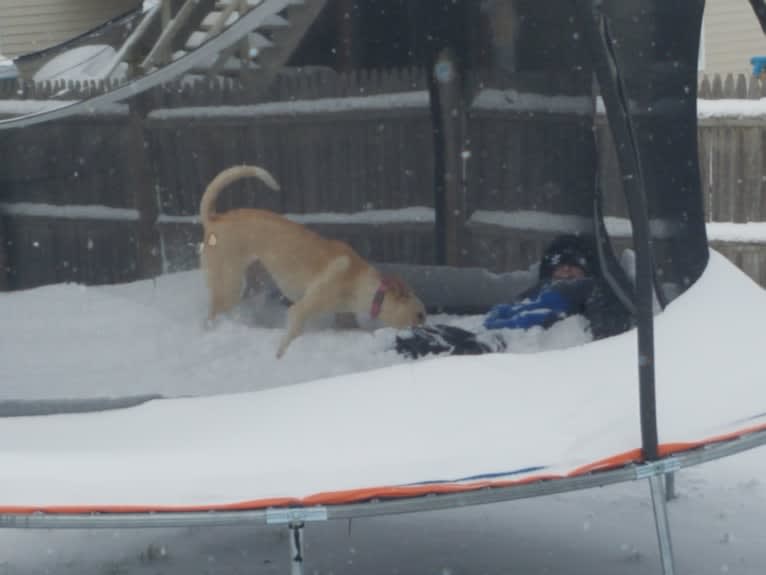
(317, 274)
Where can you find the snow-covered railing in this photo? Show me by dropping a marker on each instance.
(549, 223)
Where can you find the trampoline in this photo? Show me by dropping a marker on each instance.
(407, 436)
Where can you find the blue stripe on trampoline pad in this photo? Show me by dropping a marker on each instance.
(751, 418)
(745, 421)
(480, 477)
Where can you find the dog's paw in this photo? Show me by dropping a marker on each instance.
(282, 349)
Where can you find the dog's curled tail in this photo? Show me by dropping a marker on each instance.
(226, 177)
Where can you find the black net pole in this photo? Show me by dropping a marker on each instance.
(606, 68)
(440, 163)
(759, 7)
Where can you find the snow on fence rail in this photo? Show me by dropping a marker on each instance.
(291, 84)
(357, 143)
(311, 83)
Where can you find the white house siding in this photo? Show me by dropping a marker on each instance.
(31, 25)
(732, 35)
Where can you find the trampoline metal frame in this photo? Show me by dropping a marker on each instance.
(296, 518)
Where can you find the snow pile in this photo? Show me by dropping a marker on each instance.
(148, 337)
(731, 108)
(410, 422)
(455, 413)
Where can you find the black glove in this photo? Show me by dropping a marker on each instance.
(444, 339)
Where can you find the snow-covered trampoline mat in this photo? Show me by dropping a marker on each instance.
(426, 426)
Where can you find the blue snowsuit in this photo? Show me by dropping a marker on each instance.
(543, 305)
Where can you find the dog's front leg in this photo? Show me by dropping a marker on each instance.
(296, 319)
(321, 296)
(320, 299)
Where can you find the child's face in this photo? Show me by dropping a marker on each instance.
(568, 272)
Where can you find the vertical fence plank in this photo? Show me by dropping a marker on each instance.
(760, 215)
(737, 166)
(752, 174)
(724, 164)
(149, 257)
(5, 262)
(705, 143)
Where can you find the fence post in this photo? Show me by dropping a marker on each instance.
(148, 256)
(347, 36)
(449, 202)
(4, 260)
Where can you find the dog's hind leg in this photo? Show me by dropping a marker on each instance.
(224, 287)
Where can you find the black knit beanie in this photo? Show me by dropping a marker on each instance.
(567, 250)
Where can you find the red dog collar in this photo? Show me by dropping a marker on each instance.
(380, 293)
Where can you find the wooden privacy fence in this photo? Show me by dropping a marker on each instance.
(113, 196)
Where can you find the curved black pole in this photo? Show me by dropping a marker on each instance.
(759, 7)
(596, 33)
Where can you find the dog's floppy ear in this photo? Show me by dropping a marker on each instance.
(397, 287)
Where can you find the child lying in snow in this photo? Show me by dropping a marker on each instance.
(567, 285)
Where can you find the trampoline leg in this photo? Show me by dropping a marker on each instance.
(656, 484)
(296, 548)
(670, 486)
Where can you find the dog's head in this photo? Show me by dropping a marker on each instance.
(400, 307)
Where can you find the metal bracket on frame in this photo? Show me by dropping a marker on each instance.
(286, 516)
(295, 518)
(654, 468)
